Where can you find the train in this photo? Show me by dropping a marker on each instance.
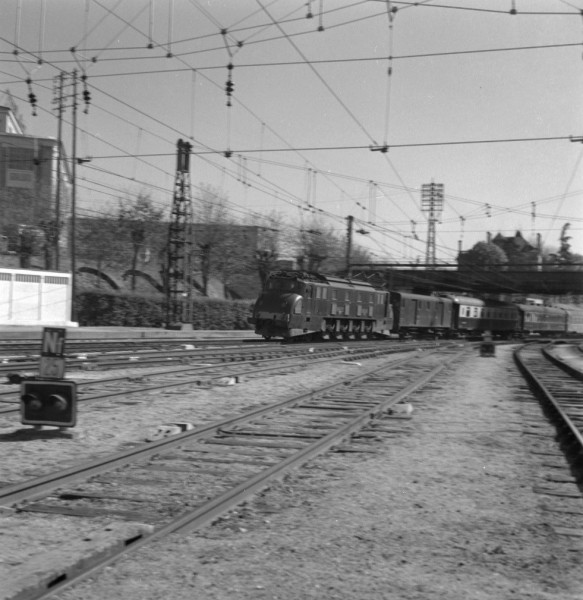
(300, 305)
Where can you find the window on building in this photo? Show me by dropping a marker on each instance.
(20, 168)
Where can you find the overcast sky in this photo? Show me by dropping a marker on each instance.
(479, 99)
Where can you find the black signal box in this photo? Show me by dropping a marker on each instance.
(44, 402)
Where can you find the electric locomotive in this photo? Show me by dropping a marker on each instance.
(300, 305)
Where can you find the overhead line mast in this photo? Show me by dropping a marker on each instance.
(180, 245)
(431, 203)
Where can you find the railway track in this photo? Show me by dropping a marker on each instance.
(181, 483)
(560, 391)
(559, 442)
(144, 354)
(228, 350)
(224, 363)
(26, 348)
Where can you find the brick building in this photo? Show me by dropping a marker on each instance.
(33, 199)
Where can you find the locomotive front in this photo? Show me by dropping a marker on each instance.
(274, 311)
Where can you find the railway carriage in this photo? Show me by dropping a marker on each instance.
(502, 319)
(541, 319)
(473, 316)
(574, 317)
(415, 315)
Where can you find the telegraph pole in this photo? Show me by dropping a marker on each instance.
(62, 101)
(74, 200)
(432, 204)
(59, 156)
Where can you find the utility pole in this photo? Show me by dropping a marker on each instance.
(432, 204)
(180, 244)
(62, 101)
(350, 220)
(60, 108)
(74, 200)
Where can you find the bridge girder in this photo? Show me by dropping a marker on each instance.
(555, 282)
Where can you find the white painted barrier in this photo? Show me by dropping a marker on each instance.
(35, 298)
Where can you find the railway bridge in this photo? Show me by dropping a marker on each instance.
(554, 280)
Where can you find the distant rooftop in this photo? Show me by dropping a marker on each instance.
(9, 105)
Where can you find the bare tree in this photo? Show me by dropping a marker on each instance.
(138, 221)
(100, 242)
(314, 246)
(211, 235)
(269, 243)
(565, 254)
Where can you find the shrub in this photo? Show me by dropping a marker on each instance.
(95, 308)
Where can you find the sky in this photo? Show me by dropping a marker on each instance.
(462, 93)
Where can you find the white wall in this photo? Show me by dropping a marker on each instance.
(35, 298)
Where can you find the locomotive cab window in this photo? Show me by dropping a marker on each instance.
(284, 285)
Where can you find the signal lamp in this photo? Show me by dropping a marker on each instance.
(48, 403)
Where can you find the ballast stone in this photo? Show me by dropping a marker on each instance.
(404, 408)
(169, 429)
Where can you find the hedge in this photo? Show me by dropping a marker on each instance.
(95, 308)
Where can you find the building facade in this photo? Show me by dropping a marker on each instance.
(35, 196)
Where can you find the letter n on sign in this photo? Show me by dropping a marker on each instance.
(52, 354)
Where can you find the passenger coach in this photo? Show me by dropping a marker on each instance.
(473, 316)
(574, 317)
(542, 319)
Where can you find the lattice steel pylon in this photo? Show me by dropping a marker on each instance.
(180, 244)
(431, 203)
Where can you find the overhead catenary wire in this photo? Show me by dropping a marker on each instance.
(367, 147)
(266, 150)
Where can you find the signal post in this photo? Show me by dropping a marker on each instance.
(49, 399)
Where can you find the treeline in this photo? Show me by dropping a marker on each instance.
(224, 249)
(132, 240)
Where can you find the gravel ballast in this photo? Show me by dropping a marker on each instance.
(446, 506)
